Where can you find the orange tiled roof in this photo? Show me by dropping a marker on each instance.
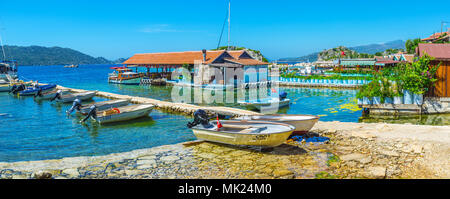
(189, 57)
(409, 58)
(176, 58)
(435, 36)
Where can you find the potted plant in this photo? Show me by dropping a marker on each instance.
(387, 91)
(360, 95)
(375, 92)
(418, 78)
(397, 95)
(366, 94)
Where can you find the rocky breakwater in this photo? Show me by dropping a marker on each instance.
(387, 150)
(353, 150)
(193, 160)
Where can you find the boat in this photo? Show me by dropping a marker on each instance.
(302, 123)
(8, 68)
(248, 133)
(123, 113)
(123, 75)
(48, 95)
(71, 66)
(6, 86)
(265, 104)
(105, 105)
(71, 97)
(30, 91)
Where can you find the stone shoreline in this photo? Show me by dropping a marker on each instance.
(355, 150)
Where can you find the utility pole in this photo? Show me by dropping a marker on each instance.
(229, 24)
(3, 48)
(442, 25)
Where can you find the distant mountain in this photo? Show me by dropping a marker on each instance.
(120, 60)
(38, 55)
(365, 49)
(307, 58)
(374, 48)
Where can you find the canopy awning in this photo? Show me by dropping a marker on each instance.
(358, 62)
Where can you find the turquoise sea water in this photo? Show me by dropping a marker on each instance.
(33, 130)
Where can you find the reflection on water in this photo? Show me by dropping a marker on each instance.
(440, 119)
(31, 131)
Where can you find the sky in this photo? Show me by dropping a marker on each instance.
(283, 28)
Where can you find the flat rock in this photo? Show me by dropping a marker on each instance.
(282, 172)
(364, 135)
(145, 162)
(71, 172)
(376, 172)
(389, 153)
(352, 157)
(170, 158)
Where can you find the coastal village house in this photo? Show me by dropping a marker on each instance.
(441, 53)
(378, 62)
(439, 36)
(202, 61)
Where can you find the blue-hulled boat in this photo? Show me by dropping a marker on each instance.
(30, 91)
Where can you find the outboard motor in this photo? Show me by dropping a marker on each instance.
(57, 96)
(283, 96)
(15, 89)
(200, 117)
(75, 106)
(92, 113)
(39, 93)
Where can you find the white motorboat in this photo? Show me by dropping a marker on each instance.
(5, 87)
(81, 96)
(302, 123)
(248, 133)
(265, 104)
(48, 95)
(105, 105)
(124, 113)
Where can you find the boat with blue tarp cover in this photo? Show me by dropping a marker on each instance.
(31, 91)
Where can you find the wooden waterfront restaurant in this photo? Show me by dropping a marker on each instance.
(441, 53)
(222, 60)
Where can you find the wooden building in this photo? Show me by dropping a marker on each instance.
(441, 53)
(204, 60)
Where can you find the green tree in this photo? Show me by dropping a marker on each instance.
(412, 44)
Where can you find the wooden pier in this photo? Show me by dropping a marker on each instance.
(182, 108)
(392, 109)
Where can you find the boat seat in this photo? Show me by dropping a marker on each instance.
(253, 130)
(237, 126)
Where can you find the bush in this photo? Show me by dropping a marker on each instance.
(419, 76)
